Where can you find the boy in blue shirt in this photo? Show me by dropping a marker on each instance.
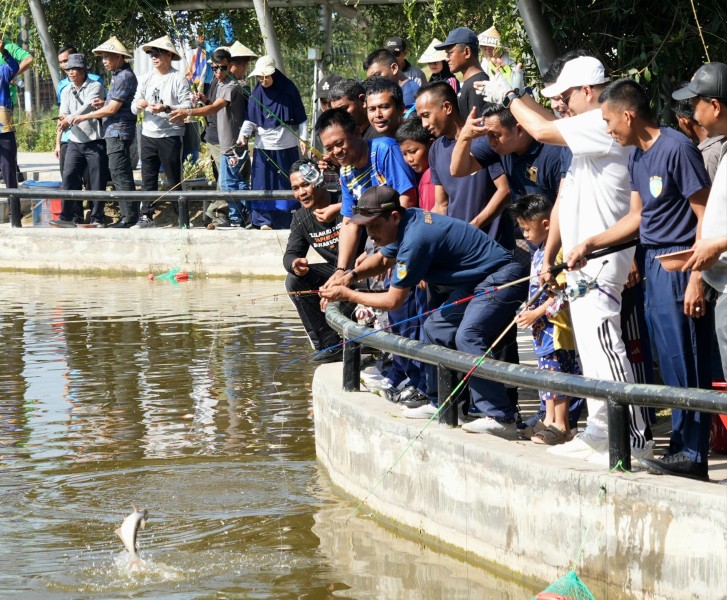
(669, 187)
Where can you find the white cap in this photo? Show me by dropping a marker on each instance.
(264, 66)
(431, 55)
(584, 70)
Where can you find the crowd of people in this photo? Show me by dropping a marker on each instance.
(434, 179)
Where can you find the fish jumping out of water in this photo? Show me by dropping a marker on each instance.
(128, 532)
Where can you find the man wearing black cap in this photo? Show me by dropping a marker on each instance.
(422, 246)
(708, 93)
(463, 47)
(397, 46)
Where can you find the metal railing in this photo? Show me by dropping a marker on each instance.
(616, 394)
(14, 195)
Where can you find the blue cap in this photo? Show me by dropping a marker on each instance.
(461, 35)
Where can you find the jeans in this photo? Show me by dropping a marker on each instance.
(231, 179)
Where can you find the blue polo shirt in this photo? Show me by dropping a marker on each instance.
(666, 176)
(537, 170)
(386, 166)
(442, 251)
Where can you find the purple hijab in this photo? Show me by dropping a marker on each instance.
(281, 99)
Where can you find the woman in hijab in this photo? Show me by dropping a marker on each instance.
(436, 60)
(276, 116)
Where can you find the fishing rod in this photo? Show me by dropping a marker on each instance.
(554, 270)
(450, 399)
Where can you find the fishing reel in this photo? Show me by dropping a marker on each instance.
(311, 174)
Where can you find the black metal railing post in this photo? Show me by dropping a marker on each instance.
(445, 385)
(619, 448)
(15, 215)
(351, 367)
(183, 212)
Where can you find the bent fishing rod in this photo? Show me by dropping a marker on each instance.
(554, 270)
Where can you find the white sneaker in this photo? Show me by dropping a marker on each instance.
(425, 411)
(143, 221)
(491, 426)
(602, 458)
(581, 446)
(265, 228)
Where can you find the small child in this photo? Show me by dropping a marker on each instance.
(414, 142)
(553, 341)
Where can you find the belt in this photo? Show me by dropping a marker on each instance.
(6, 120)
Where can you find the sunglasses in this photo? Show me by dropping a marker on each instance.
(216, 68)
(566, 99)
(374, 212)
(154, 53)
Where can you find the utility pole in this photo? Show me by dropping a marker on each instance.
(539, 33)
(272, 47)
(49, 50)
(27, 76)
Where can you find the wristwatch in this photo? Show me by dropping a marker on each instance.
(167, 108)
(512, 95)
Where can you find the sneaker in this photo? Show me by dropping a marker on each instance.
(602, 458)
(250, 226)
(581, 446)
(678, 464)
(265, 228)
(143, 221)
(61, 223)
(491, 426)
(426, 411)
(120, 225)
(410, 397)
(95, 223)
(329, 355)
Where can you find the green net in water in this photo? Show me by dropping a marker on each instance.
(568, 587)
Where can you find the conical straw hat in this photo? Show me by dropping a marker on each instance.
(238, 50)
(162, 43)
(431, 55)
(113, 46)
(490, 37)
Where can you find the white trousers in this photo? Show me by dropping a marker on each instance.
(597, 328)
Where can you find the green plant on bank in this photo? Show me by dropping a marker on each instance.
(38, 135)
(200, 168)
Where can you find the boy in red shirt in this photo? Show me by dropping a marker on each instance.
(414, 142)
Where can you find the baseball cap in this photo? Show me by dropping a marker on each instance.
(323, 89)
(395, 44)
(264, 66)
(584, 70)
(710, 81)
(460, 35)
(76, 61)
(375, 202)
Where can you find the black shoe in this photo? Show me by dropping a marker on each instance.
(120, 225)
(334, 354)
(677, 464)
(62, 223)
(412, 397)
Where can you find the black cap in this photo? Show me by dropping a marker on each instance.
(460, 35)
(395, 44)
(710, 81)
(375, 202)
(323, 89)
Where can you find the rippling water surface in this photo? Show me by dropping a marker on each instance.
(172, 397)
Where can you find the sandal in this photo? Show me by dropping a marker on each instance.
(550, 436)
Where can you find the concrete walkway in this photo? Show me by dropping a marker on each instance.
(631, 535)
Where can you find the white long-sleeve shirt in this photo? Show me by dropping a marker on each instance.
(172, 89)
(277, 138)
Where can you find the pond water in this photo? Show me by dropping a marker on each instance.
(172, 397)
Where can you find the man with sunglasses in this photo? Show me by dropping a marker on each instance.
(422, 246)
(594, 195)
(161, 91)
(229, 108)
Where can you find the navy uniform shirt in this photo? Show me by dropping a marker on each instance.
(122, 124)
(442, 251)
(537, 170)
(666, 176)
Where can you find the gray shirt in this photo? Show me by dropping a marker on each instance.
(230, 118)
(78, 101)
(172, 89)
(710, 149)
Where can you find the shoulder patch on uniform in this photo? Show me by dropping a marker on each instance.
(401, 271)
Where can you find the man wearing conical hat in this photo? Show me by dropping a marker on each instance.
(119, 123)
(160, 91)
(495, 58)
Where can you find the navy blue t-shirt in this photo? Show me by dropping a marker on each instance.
(666, 176)
(467, 195)
(442, 251)
(535, 171)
